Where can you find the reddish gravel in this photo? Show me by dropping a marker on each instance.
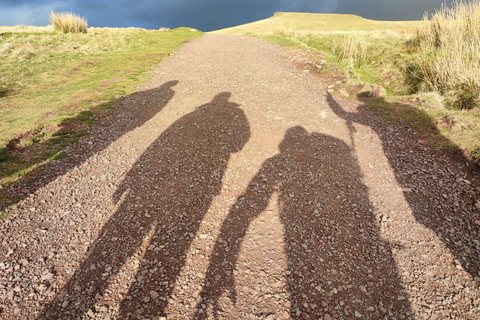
(233, 186)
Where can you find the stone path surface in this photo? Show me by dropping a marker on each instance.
(233, 186)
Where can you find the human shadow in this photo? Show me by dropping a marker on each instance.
(128, 114)
(338, 263)
(165, 197)
(448, 210)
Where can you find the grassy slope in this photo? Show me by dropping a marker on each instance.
(49, 79)
(46, 77)
(313, 22)
(389, 55)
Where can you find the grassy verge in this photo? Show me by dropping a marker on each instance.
(380, 64)
(54, 85)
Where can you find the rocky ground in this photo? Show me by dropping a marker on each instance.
(239, 184)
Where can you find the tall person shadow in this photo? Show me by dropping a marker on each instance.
(123, 119)
(165, 197)
(338, 265)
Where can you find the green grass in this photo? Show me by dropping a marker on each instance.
(384, 54)
(50, 81)
(47, 77)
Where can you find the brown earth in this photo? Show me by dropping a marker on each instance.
(234, 186)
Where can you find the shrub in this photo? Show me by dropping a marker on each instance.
(449, 53)
(68, 22)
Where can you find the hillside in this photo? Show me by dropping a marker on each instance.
(314, 22)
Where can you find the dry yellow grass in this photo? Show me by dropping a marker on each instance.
(68, 22)
(449, 60)
(316, 22)
(352, 47)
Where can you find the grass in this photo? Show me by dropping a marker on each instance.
(402, 61)
(51, 81)
(316, 23)
(68, 22)
(449, 54)
(353, 47)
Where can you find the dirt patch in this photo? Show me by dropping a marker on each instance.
(15, 145)
(108, 82)
(6, 107)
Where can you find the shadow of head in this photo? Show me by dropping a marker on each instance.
(222, 100)
(294, 140)
(168, 85)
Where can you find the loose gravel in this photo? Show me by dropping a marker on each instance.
(235, 186)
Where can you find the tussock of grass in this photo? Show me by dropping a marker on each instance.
(68, 22)
(353, 47)
(285, 31)
(449, 53)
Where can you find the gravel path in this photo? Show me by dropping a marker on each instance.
(234, 187)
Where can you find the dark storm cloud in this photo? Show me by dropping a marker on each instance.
(205, 15)
(390, 9)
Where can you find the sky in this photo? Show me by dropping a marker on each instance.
(205, 15)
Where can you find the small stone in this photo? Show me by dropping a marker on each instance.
(154, 294)
(47, 276)
(146, 299)
(344, 93)
(477, 204)
(357, 314)
(65, 303)
(400, 298)
(370, 309)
